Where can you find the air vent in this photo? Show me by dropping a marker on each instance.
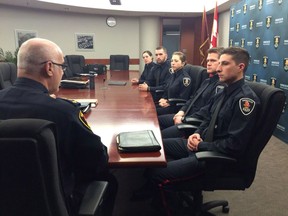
(115, 2)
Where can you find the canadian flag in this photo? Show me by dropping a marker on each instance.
(214, 34)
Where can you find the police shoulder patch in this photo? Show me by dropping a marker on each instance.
(83, 120)
(186, 81)
(246, 105)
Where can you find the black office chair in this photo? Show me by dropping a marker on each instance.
(198, 74)
(119, 62)
(226, 173)
(76, 64)
(8, 74)
(30, 182)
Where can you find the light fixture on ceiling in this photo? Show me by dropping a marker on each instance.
(172, 33)
(115, 2)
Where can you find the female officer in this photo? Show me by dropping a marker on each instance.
(178, 86)
(148, 60)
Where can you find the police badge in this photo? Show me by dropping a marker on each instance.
(276, 41)
(268, 21)
(260, 4)
(265, 61)
(246, 105)
(231, 42)
(242, 42)
(237, 27)
(186, 81)
(257, 42)
(232, 12)
(251, 24)
(244, 8)
(285, 64)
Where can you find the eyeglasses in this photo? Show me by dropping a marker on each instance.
(63, 66)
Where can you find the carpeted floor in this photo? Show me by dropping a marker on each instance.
(267, 196)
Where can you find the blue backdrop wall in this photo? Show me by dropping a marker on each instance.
(261, 27)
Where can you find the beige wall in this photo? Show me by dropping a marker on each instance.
(61, 28)
(131, 35)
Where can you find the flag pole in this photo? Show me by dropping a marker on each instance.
(214, 34)
(205, 39)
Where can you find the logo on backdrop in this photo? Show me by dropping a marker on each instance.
(232, 12)
(242, 42)
(244, 8)
(265, 61)
(268, 21)
(251, 24)
(257, 42)
(273, 81)
(260, 4)
(237, 27)
(285, 64)
(276, 41)
(254, 77)
(231, 42)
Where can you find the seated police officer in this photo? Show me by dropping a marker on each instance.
(82, 156)
(149, 64)
(230, 134)
(178, 86)
(158, 76)
(168, 123)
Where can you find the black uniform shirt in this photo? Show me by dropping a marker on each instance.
(82, 154)
(178, 86)
(210, 85)
(235, 120)
(158, 76)
(146, 72)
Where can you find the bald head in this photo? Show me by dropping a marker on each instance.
(40, 59)
(35, 51)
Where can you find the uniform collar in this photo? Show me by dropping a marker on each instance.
(26, 82)
(233, 86)
(214, 78)
(164, 64)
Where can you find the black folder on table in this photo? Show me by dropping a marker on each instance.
(137, 141)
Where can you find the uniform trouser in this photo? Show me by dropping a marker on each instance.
(165, 121)
(182, 163)
(166, 110)
(168, 129)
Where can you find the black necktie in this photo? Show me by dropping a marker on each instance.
(195, 98)
(211, 127)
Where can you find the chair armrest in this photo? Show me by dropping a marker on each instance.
(177, 101)
(159, 91)
(93, 198)
(186, 127)
(213, 156)
(192, 121)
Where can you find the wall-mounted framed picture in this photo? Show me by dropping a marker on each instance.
(85, 41)
(22, 35)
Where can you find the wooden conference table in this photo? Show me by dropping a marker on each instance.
(120, 109)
